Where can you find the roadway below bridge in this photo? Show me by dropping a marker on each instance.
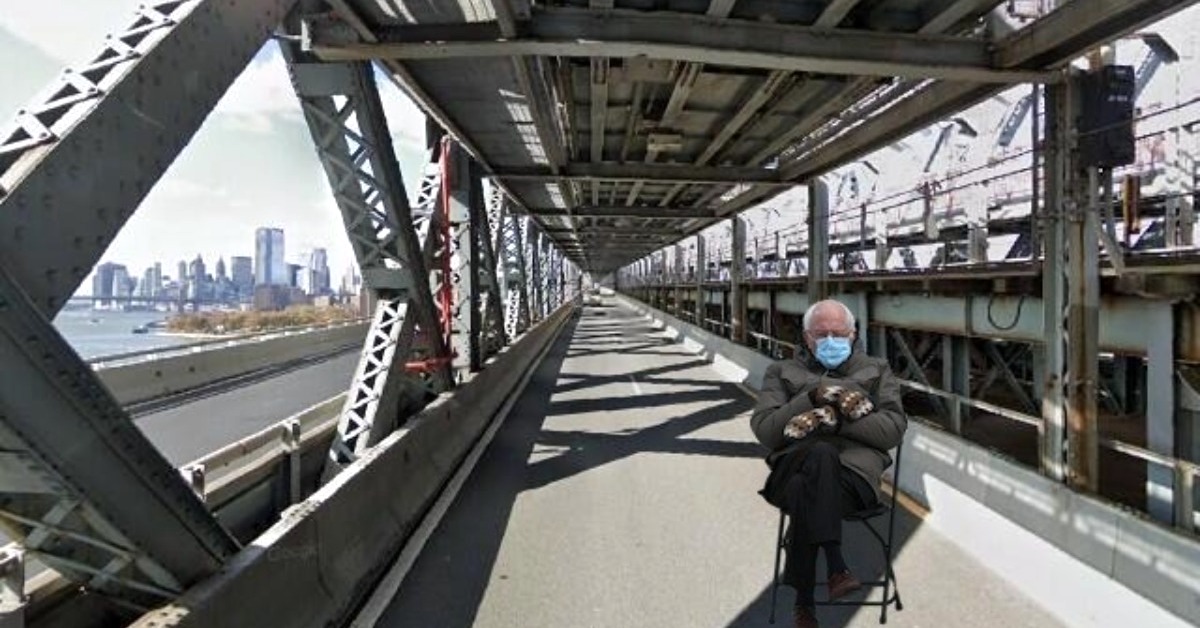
(621, 491)
(197, 426)
(203, 424)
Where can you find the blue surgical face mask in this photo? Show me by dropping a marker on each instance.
(832, 351)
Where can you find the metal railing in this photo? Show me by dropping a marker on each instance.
(217, 478)
(1185, 472)
(157, 353)
(278, 444)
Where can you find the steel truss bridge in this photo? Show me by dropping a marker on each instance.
(619, 140)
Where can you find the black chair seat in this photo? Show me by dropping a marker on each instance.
(870, 513)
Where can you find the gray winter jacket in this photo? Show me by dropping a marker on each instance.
(863, 443)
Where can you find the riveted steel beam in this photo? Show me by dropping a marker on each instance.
(344, 113)
(82, 488)
(76, 163)
(664, 173)
(622, 211)
(577, 32)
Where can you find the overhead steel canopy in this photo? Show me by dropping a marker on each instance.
(665, 116)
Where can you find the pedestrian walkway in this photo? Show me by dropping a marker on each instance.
(621, 493)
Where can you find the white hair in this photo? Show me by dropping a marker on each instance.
(808, 314)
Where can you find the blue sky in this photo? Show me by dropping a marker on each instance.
(251, 164)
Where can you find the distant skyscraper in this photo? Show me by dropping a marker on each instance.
(242, 274)
(198, 271)
(293, 275)
(183, 273)
(102, 282)
(269, 267)
(318, 272)
(146, 285)
(121, 285)
(351, 281)
(156, 280)
(221, 269)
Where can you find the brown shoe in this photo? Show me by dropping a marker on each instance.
(842, 584)
(803, 617)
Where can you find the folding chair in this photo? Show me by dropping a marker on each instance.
(891, 592)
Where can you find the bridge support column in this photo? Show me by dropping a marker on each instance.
(1188, 448)
(677, 282)
(1180, 184)
(535, 273)
(660, 276)
(1083, 327)
(1071, 292)
(700, 302)
(977, 228)
(512, 261)
(342, 108)
(818, 240)
(1160, 410)
(737, 279)
(462, 214)
(882, 250)
(488, 242)
(1050, 358)
(564, 274)
(956, 377)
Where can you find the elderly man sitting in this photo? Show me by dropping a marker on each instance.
(829, 419)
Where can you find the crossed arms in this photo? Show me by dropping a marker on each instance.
(882, 427)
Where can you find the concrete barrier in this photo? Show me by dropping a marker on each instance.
(313, 566)
(1089, 562)
(150, 379)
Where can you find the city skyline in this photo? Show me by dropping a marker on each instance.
(169, 267)
(252, 163)
(193, 281)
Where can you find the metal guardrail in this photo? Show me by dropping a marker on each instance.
(1185, 472)
(107, 361)
(278, 444)
(217, 478)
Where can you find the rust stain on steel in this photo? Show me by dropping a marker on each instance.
(1187, 332)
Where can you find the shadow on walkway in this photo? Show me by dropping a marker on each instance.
(864, 556)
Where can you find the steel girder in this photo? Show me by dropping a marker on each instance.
(1051, 360)
(78, 162)
(586, 32)
(486, 243)
(516, 278)
(81, 488)
(549, 278)
(534, 271)
(342, 107)
(479, 324)
(461, 197)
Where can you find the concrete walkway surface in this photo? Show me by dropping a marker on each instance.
(621, 492)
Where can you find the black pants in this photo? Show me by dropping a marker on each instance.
(818, 495)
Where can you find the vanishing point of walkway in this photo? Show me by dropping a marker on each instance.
(621, 493)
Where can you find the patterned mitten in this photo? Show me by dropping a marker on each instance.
(855, 405)
(827, 395)
(850, 403)
(804, 423)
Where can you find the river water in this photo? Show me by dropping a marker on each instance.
(96, 333)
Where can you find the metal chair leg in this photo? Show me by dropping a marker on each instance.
(775, 573)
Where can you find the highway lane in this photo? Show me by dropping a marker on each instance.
(187, 432)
